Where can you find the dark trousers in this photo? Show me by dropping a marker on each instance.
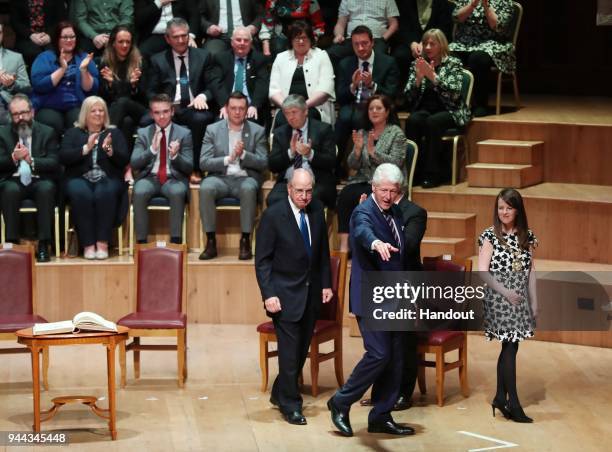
(60, 121)
(478, 63)
(348, 199)
(410, 367)
(350, 117)
(42, 192)
(218, 44)
(152, 44)
(94, 207)
(293, 343)
(29, 50)
(381, 368)
(426, 129)
(126, 114)
(403, 56)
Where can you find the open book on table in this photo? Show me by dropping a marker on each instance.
(83, 321)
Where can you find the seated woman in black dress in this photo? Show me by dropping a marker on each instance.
(122, 82)
(61, 79)
(381, 142)
(303, 70)
(434, 97)
(94, 156)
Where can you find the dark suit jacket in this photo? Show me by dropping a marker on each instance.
(323, 162)
(44, 152)
(368, 224)
(77, 164)
(414, 219)
(147, 14)
(19, 13)
(385, 75)
(162, 76)
(282, 265)
(257, 77)
(251, 11)
(409, 26)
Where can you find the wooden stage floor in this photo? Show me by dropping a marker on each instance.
(567, 389)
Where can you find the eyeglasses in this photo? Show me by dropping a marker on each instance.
(303, 192)
(18, 114)
(68, 38)
(301, 39)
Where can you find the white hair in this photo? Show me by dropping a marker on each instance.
(388, 172)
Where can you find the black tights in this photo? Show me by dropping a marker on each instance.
(506, 374)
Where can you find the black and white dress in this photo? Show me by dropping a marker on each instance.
(503, 320)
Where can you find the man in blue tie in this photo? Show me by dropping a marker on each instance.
(378, 245)
(293, 273)
(29, 166)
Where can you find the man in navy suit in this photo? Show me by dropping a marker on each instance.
(378, 244)
(293, 273)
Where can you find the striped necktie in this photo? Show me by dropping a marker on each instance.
(389, 219)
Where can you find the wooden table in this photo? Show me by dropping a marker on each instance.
(109, 340)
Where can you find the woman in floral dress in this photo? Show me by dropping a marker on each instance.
(483, 38)
(505, 261)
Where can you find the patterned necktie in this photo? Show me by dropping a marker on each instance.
(230, 18)
(363, 93)
(389, 219)
(162, 173)
(184, 83)
(24, 170)
(297, 163)
(239, 79)
(304, 231)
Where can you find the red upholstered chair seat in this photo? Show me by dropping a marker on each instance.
(11, 323)
(266, 327)
(154, 320)
(440, 337)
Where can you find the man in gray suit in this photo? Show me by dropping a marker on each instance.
(161, 162)
(13, 78)
(235, 154)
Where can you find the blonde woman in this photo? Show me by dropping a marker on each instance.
(94, 156)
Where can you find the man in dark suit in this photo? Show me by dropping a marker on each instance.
(246, 70)
(183, 73)
(235, 155)
(416, 18)
(303, 143)
(378, 245)
(360, 75)
(293, 273)
(29, 163)
(218, 21)
(151, 19)
(161, 162)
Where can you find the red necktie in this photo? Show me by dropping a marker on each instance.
(163, 159)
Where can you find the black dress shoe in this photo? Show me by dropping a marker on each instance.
(365, 402)
(245, 249)
(340, 419)
(210, 251)
(428, 183)
(273, 401)
(295, 418)
(42, 253)
(402, 403)
(390, 427)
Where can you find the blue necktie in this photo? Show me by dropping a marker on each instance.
(239, 79)
(391, 223)
(304, 231)
(24, 170)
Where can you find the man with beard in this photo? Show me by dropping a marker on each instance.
(29, 164)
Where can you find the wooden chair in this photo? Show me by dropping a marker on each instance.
(161, 274)
(442, 342)
(29, 206)
(327, 328)
(515, 27)
(157, 203)
(457, 135)
(412, 154)
(18, 301)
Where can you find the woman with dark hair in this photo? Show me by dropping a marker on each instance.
(482, 40)
(122, 85)
(280, 15)
(380, 142)
(61, 79)
(94, 155)
(505, 260)
(433, 93)
(303, 70)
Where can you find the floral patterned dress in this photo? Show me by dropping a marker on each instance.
(475, 34)
(503, 320)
